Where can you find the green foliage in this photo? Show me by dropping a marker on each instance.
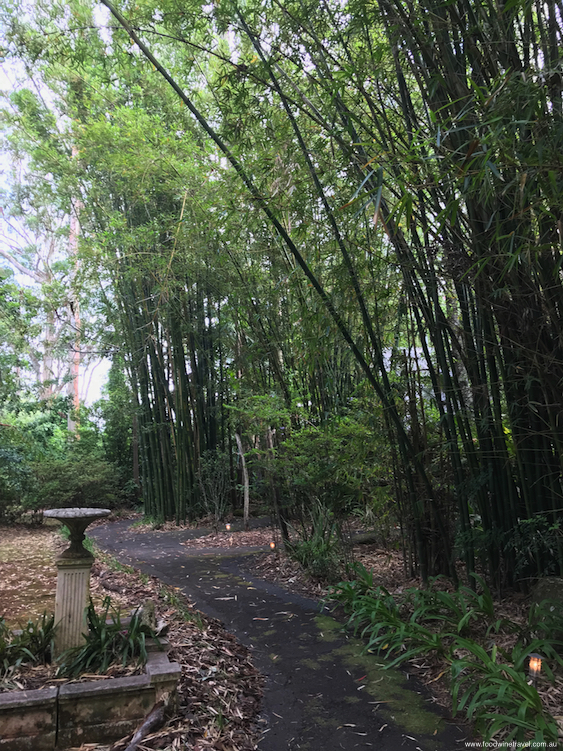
(452, 613)
(494, 693)
(497, 696)
(37, 428)
(106, 642)
(32, 644)
(318, 547)
(43, 465)
(398, 228)
(545, 619)
(37, 636)
(339, 464)
(117, 414)
(258, 412)
(65, 483)
(16, 477)
(536, 543)
(31, 432)
(18, 308)
(379, 618)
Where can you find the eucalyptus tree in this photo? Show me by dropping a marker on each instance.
(18, 328)
(34, 234)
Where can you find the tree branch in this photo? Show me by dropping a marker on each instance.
(37, 276)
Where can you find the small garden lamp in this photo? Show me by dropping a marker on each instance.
(534, 667)
(272, 545)
(228, 527)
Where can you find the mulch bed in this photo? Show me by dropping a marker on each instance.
(220, 690)
(253, 538)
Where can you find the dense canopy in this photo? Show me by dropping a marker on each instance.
(324, 238)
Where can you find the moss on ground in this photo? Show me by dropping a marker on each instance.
(400, 704)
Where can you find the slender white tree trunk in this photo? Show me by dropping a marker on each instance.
(74, 384)
(245, 480)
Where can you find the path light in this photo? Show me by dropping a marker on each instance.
(534, 667)
(272, 545)
(228, 527)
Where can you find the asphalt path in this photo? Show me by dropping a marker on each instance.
(321, 693)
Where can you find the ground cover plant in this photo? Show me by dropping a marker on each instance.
(486, 654)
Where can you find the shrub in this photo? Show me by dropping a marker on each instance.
(342, 464)
(77, 481)
(319, 547)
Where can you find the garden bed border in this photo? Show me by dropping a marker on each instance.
(95, 711)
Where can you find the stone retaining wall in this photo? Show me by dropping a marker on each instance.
(90, 712)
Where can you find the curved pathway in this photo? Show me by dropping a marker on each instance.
(321, 693)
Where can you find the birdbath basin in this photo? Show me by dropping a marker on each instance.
(76, 519)
(73, 577)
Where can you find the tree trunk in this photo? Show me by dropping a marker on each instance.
(245, 480)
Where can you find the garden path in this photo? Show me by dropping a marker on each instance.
(321, 693)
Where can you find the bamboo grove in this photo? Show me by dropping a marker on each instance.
(342, 198)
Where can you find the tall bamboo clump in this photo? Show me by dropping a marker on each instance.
(175, 375)
(449, 118)
(455, 133)
(446, 117)
(481, 205)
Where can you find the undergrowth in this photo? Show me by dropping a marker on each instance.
(317, 545)
(29, 645)
(489, 684)
(109, 640)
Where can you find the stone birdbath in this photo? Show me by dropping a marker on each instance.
(73, 577)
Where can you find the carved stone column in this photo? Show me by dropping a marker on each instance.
(71, 600)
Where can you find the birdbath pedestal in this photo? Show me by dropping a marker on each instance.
(73, 577)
